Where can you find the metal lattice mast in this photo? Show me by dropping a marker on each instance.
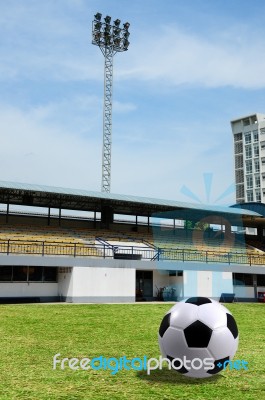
(107, 121)
(110, 39)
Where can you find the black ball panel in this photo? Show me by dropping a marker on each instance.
(176, 363)
(218, 366)
(197, 334)
(231, 325)
(198, 301)
(164, 325)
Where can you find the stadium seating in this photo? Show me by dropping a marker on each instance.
(178, 244)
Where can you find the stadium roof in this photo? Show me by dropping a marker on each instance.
(77, 199)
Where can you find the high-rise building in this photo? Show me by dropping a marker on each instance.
(249, 151)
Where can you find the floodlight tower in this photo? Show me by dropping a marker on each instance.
(111, 39)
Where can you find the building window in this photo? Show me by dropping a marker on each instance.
(238, 148)
(250, 195)
(28, 274)
(20, 274)
(262, 131)
(249, 181)
(255, 136)
(49, 274)
(248, 152)
(6, 274)
(260, 280)
(238, 162)
(35, 274)
(256, 150)
(258, 196)
(247, 137)
(243, 279)
(238, 137)
(239, 191)
(257, 181)
(239, 176)
(257, 167)
(249, 167)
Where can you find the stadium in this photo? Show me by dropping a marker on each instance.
(81, 246)
(109, 295)
(78, 246)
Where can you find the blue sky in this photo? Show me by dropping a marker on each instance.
(192, 66)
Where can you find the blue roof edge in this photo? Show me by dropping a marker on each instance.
(130, 198)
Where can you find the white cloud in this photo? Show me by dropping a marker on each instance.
(43, 41)
(55, 139)
(177, 58)
(119, 107)
(38, 148)
(160, 168)
(34, 151)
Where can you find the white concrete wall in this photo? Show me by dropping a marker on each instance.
(95, 284)
(190, 283)
(65, 283)
(31, 289)
(222, 283)
(205, 283)
(244, 292)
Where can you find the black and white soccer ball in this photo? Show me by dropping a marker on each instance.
(198, 328)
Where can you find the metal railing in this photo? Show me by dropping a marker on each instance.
(46, 248)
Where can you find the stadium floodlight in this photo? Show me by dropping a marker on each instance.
(117, 42)
(107, 28)
(126, 44)
(107, 19)
(126, 26)
(98, 26)
(110, 39)
(117, 31)
(117, 22)
(98, 16)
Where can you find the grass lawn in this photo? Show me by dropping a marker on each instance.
(32, 334)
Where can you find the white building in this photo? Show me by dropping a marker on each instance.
(249, 151)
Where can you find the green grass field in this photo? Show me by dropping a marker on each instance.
(32, 334)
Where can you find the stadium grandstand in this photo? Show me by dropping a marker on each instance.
(59, 244)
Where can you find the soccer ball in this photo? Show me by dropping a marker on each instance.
(197, 329)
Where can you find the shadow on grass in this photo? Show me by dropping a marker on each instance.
(170, 376)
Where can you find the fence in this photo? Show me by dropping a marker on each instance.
(43, 248)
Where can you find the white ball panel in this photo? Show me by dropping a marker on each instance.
(222, 343)
(183, 314)
(212, 316)
(174, 340)
(234, 348)
(225, 309)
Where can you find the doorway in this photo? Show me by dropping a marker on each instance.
(144, 285)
